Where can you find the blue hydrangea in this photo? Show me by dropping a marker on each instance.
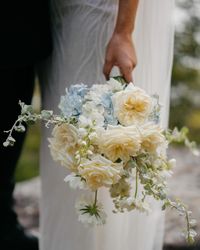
(71, 104)
(155, 114)
(106, 101)
(78, 89)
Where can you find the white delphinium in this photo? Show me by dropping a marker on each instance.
(75, 181)
(92, 115)
(96, 92)
(82, 132)
(172, 163)
(132, 203)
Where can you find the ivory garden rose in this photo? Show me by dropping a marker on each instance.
(132, 105)
(64, 144)
(118, 142)
(152, 138)
(99, 171)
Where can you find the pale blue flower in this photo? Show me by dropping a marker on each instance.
(71, 104)
(78, 89)
(106, 102)
(155, 114)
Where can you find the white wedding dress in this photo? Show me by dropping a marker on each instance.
(81, 30)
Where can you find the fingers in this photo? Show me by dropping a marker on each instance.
(126, 70)
(127, 74)
(107, 68)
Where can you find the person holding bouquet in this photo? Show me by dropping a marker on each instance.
(90, 38)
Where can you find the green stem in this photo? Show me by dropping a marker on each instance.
(136, 183)
(95, 198)
(120, 79)
(188, 226)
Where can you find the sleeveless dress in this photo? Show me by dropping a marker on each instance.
(81, 31)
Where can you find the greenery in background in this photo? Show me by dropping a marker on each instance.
(185, 91)
(28, 165)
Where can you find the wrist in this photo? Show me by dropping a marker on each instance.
(124, 30)
(122, 35)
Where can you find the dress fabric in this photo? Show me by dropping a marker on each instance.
(81, 31)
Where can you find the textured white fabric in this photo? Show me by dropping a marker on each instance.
(81, 30)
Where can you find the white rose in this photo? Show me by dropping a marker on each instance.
(153, 140)
(131, 105)
(64, 144)
(62, 156)
(99, 171)
(118, 142)
(65, 135)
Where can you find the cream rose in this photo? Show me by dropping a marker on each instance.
(65, 135)
(64, 144)
(62, 155)
(99, 171)
(152, 138)
(131, 105)
(118, 142)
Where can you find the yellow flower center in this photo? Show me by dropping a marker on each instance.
(118, 149)
(134, 105)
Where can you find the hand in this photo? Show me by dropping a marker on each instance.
(120, 52)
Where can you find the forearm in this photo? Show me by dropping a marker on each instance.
(126, 16)
(120, 51)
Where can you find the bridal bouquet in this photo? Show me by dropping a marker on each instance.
(109, 135)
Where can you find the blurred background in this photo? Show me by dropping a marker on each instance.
(184, 111)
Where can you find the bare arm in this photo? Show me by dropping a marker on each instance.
(120, 50)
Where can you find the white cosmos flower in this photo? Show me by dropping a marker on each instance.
(88, 214)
